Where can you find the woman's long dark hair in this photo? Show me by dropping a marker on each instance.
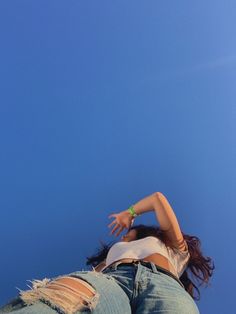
(201, 267)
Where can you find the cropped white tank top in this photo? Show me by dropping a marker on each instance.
(139, 249)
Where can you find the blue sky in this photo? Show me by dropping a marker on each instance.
(103, 103)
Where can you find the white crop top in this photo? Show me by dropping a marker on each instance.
(139, 249)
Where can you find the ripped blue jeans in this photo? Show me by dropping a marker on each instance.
(119, 289)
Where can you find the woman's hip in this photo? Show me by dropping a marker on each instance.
(44, 295)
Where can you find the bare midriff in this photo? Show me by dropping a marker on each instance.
(155, 258)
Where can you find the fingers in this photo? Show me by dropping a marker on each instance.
(118, 233)
(118, 226)
(115, 228)
(113, 222)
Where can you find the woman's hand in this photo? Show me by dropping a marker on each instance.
(122, 220)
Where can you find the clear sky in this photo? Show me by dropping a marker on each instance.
(101, 104)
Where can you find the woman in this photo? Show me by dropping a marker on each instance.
(144, 273)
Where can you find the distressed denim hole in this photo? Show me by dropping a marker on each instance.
(63, 298)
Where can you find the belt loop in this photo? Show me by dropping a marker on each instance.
(154, 269)
(114, 266)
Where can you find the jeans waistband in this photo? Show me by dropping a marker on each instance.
(150, 265)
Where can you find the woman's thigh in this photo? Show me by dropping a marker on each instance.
(159, 293)
(109, 298)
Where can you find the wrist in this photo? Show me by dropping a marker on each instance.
(132, 212)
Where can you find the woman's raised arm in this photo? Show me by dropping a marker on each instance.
(165, 216)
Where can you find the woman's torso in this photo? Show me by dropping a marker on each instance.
(150, 249)
(155, 258)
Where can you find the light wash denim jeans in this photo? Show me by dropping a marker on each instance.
(121, 289)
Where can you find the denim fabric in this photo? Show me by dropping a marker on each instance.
(112, 299)
(152, 291)
(125, 289)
